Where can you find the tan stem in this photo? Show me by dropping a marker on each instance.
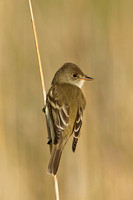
(42, 83)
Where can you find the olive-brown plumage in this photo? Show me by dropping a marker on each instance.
(65, 103)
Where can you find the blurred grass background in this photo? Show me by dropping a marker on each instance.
(98, 36)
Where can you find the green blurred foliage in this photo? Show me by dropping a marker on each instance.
(98, 36)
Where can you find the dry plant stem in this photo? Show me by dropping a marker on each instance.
(56, 187)
(38, 53)
(43, 85)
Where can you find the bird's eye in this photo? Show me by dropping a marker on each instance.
(74, 75)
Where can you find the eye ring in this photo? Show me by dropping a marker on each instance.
(75, 75)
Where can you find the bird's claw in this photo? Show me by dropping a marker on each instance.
(49, 142)
(43, 110)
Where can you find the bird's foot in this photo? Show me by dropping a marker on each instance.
(49, 142)
(43, 110)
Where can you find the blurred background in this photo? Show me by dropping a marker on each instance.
(97, 36)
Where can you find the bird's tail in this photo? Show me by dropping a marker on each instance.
(54, 161)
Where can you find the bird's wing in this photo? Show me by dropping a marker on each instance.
(59, 114)
(77, 127)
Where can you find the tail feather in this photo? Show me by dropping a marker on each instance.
(54, 161)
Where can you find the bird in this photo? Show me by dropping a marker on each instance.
(65, 103)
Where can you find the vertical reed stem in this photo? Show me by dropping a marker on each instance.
(42, 83)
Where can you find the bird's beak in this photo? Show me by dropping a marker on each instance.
(86, 78)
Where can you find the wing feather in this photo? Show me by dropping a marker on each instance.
(59, 114)
(76, 128)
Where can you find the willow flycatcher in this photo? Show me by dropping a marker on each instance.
(65, 103)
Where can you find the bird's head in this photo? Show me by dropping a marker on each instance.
(71, 73)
